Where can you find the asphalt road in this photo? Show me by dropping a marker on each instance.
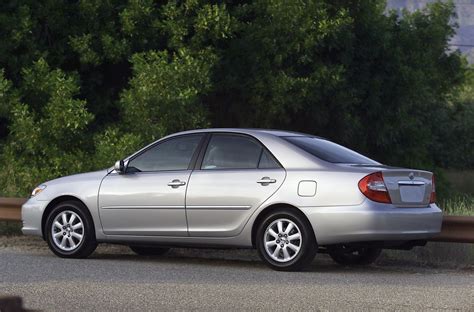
(116, 280)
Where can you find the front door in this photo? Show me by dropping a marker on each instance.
(149, 198)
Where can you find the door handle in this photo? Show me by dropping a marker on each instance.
(176, 183)
(266, 181)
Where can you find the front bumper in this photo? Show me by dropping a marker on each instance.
(31, 216)
(373, 221)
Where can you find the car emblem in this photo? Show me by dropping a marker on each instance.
(411, 175)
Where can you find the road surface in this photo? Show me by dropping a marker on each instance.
(114, 279)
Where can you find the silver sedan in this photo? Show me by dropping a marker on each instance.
(287, 194)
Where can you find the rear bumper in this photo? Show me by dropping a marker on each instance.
(373, 221)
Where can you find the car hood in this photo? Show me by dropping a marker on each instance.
(81, 177)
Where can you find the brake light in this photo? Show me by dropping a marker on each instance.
(373, 187)
(433, 190)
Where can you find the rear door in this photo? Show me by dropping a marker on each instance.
(235, 176)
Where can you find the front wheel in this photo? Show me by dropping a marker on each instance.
(354, 256)
(285, 241)
(70, 231)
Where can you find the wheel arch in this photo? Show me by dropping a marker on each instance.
(57, 201)
(271, 208)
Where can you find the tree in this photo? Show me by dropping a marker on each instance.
(47, 128)
(165, 93)
(345, 70)
(85, 83)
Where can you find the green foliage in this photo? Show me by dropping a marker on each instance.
(277, 69)
(194, 24)
(113, 145)
(455, 148)
(10, 228)
(165, 92)
(85, 83)
(7, 95)
(47, 130)
(401, 79)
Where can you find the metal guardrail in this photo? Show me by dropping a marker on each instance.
(10, 208)
(454, 229)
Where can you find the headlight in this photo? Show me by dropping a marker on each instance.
(38, 190)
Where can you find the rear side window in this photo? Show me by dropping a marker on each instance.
(267, 161)
(227, 151)
(329, 151)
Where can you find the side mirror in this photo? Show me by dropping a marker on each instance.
(119, 166)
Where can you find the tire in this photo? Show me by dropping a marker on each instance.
(63, 238)
(358, 256)
(295, 260)
(149, 251)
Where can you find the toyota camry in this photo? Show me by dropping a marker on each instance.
(287, 194)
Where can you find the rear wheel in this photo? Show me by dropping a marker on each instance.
(354, 256)
(149, 251)
(70, 231)
(285, 241)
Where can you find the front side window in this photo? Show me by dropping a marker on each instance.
(329, 151)
(226, 151)
(172, 154)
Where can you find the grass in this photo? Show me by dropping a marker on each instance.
(9, 228)
(458, 205)
(460, 202)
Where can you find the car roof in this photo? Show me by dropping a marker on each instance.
(251, 131)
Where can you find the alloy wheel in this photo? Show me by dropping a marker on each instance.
(67, 230)
(282, 240)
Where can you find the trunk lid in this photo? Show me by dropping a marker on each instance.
(408, 188)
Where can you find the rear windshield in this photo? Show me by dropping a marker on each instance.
(329, 151)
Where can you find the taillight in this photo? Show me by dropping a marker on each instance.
(433, 190)
(373, 187)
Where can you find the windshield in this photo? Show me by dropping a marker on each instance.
(329, 151)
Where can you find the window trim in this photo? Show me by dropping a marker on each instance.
(191, 163)
(205, 145)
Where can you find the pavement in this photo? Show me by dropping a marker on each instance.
(115, 279)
